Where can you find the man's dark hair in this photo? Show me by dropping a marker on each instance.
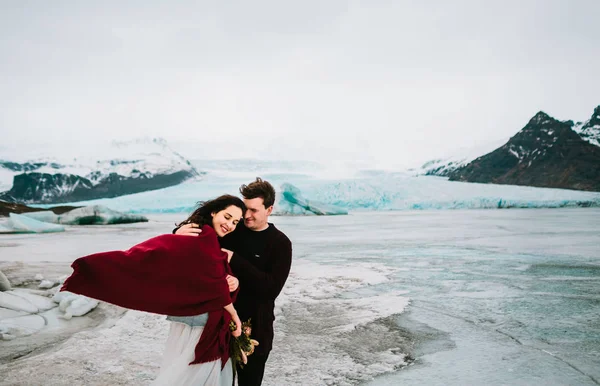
(259, 188)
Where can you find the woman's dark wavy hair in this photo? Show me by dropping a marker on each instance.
(202, 215)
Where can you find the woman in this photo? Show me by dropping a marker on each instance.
(185, 331)
(182, 277)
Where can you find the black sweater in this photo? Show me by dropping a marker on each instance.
(261, 261)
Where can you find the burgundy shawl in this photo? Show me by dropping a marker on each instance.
(169, 275)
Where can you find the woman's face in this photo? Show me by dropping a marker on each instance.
(225, 221)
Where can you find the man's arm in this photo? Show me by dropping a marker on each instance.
(188, 230)
(268, 283)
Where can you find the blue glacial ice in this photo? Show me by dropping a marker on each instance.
(291, 202)
(402, 192)
(88, 215)
(18, 223)
(359, 191)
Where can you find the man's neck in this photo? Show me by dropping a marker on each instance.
(261, 228)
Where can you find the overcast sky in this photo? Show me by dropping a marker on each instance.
(390, 82)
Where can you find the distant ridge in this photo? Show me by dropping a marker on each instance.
(121, 168)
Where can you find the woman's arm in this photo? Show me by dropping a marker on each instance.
(238, 323)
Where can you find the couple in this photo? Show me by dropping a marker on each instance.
(194, 277)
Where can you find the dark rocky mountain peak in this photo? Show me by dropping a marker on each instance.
(590, 130)
(595, 119)
(540, 117)
(545, 153)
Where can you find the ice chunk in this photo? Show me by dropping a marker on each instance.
(4, 335)
(88, 215)
(43, 303)
(59, 296)
(44, 216)
(11, 301)
(6, 313)
(98, 215)
(292, 202)
(74, 305)
(4, 283)
(23, 224)
(4, 228)
(45, 284)
(80, 306)
(21, 326)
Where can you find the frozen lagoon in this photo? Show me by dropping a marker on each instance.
(495, 297)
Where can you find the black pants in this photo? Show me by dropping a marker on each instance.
(253, 371)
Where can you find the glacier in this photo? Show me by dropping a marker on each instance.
(357, 190)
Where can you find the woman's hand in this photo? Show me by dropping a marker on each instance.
(238, 323)
(233, 283)
(189, 230)
(236, 319)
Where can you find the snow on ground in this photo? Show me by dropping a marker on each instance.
(319, 319)
(128, 352)
(328, 334)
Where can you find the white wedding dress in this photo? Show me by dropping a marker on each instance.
(179, 352)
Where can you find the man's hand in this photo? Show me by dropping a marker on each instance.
(233, 283)
(189, 230)
(229, 254)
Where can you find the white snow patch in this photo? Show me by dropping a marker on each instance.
(514, 153)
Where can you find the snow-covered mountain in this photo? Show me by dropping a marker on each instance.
(545, 153)
(445, 165)
(590, 130)
(102, 171)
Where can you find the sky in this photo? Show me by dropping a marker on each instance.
(387, 83)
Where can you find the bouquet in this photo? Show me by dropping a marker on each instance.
(241, 346)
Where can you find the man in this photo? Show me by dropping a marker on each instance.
(260, 256)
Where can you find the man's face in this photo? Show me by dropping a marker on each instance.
(256, 214)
